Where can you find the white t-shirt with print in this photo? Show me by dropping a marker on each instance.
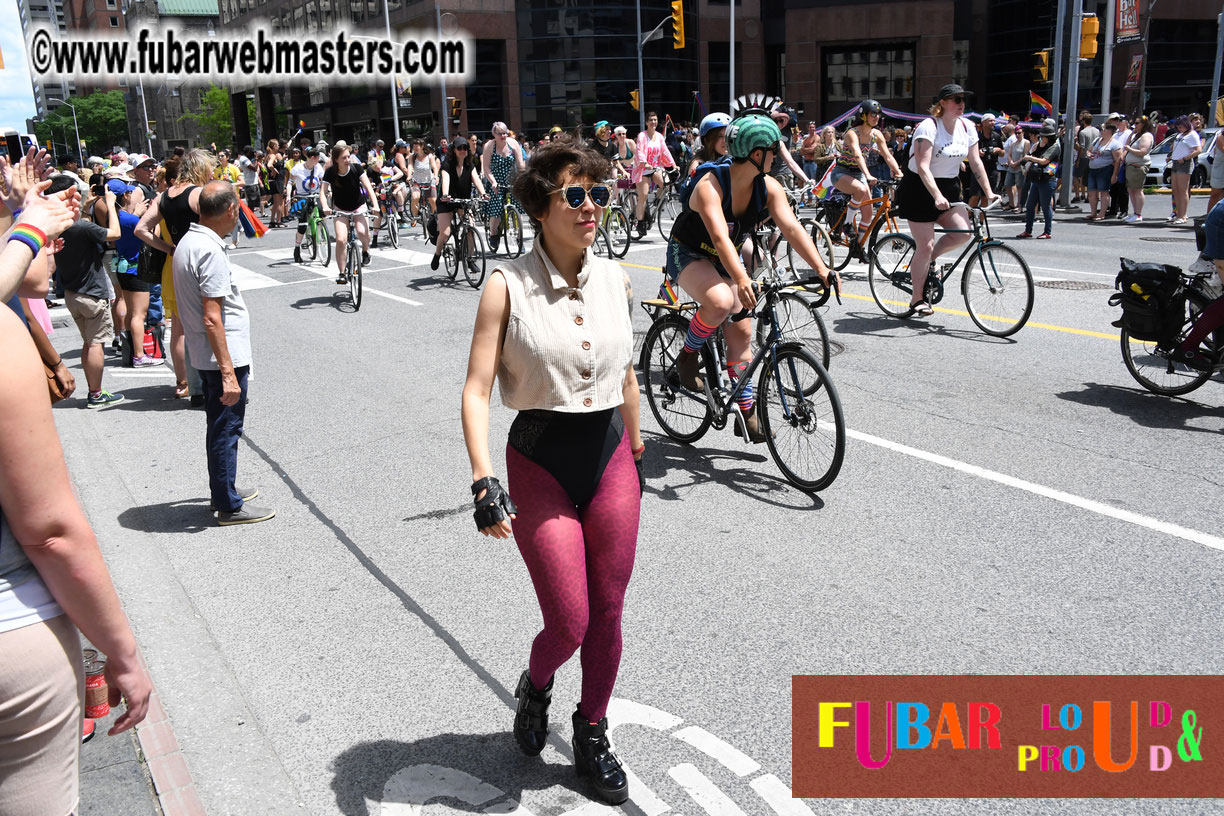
(948, 150)
(306, 180)
(1183, 146)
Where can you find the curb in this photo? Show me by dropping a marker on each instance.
(176, 790)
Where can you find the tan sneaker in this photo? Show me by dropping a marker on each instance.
(688, 366)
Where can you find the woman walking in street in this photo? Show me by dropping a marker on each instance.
(1042, 175)
(1135, 162)
(552, 329)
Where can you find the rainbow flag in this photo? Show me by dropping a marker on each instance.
(1039, 105)
(824, 185)
(667, 292)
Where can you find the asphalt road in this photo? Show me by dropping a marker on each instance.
(358, 653)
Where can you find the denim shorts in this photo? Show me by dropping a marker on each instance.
(1013, 178)
(1181, 166)
(840, 173)
(679, 256)
(1099, 178)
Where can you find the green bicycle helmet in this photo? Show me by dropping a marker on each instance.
(749, 133)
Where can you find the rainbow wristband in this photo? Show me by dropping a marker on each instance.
(32, 237)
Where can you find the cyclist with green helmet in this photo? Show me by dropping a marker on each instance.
(723, 204)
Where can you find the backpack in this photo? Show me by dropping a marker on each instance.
(1153, 300)
(690, 184)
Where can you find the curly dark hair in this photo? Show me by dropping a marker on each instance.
(533, 186)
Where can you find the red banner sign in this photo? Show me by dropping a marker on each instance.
(980, 736)
(1132, 76)
(1126, 26)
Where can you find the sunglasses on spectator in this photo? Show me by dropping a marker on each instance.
(461, 146)
(960, 100)
(576, 195)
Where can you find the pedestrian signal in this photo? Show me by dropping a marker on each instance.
(633, 99)
(1089, 29)
(677, 23)
(456, 107)
(1041, 66)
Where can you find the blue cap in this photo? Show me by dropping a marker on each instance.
(119, 186)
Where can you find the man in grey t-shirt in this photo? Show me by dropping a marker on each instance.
(218, 334)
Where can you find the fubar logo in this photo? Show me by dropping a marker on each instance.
(1006, 736)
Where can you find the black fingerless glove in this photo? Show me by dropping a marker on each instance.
(494, 506)
(637, 463)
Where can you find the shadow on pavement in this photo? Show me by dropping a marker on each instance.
(185, 516)
(1144, 408)
(158, 397)
(340, 303)
(436, 281)
(699, 465)
(448, 767)
(880, 324)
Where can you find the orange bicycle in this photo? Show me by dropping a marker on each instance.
(842, 231)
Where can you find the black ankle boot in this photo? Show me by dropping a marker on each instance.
(531, 716)
(593, 757)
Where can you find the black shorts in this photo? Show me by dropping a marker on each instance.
(916, 204)
(276, 187)
(130, 283)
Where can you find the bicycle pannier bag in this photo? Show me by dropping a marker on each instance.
(1152, 298)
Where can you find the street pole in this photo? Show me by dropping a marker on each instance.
(1058, 55)
(394, 93)
(1073, 63)
(641, 78)
(1215, 76)
(445, 112)
(75, 129)
(1143, 71)
(1107, 75)
(731, 58)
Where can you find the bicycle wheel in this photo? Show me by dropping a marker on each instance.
(683, 415)
(801, 416)
(393, 228)
(309, 244)
(354, 272)
(799, 321)
(474, 257)
(793, 267)
(512, 234)
(601, 246)
(450, 256)
(629, 206)
(324, 240)
(669, 211)
(1155, 371)
(998, 290)
(617, 227)
(889, 273)
(424, 211)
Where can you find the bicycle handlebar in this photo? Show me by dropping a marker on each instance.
(767, 288)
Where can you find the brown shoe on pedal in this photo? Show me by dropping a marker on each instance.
(755, 435)
(688, 366)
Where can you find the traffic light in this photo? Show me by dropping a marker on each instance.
(456, 107)
(633, 99)
(1041, 66)
(677, 23)
(1089, 28)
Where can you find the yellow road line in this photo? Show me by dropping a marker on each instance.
(1046, 326)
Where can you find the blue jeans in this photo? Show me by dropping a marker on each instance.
(224, 429)
(1040, 191)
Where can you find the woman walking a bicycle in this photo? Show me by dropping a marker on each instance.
(932, 185)
(342, 190)
(458, 180)
(724, 206)
(552, 329)
(499, 159)
(860, 147)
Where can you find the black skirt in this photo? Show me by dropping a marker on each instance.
(916, 203)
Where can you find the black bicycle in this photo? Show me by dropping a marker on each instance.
(796, 402)
(997, 284)
(467, 248)
(1148, 360)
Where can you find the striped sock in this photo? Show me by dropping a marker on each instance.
(698, 333)
(745, 400)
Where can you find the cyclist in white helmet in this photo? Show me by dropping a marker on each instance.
(713, 134)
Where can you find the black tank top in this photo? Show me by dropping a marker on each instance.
(690, 230)
(460, 182)
(178, 213)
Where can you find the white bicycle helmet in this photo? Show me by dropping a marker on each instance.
(713, 121)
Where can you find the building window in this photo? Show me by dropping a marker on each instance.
(856, 73)
(114, 21)
(110, 4)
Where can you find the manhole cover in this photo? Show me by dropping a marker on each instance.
(1167, 239)
(1077, 285)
